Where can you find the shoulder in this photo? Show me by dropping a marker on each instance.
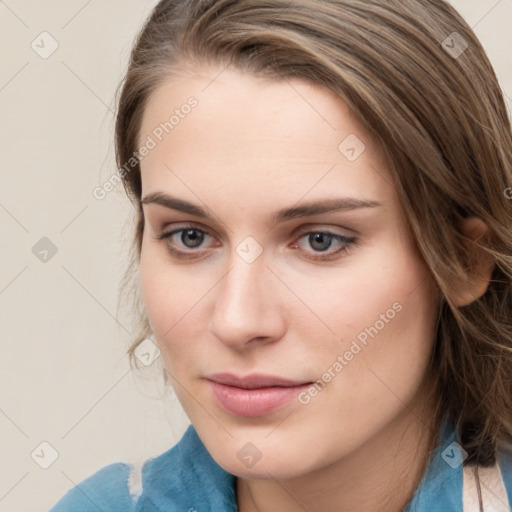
(106, 490)
(448, 484)
(183, 475)
(505, 465)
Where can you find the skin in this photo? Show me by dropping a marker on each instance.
(249, 148)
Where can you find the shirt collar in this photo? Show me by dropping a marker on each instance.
(186, 477)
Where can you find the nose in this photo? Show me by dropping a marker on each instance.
(247, 306)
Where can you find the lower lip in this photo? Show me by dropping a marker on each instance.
(254, 402)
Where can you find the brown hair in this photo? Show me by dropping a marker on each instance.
(441, 120)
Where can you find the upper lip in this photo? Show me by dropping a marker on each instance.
(253, 381)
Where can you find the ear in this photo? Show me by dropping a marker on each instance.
(482, 263)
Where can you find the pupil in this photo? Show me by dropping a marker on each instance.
(323, 240)
(193, 235)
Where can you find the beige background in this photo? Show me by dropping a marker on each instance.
(65, 379)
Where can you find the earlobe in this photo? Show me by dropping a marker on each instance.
(482, 263)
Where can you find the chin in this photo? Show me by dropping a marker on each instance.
(264, 470)
(259, 459)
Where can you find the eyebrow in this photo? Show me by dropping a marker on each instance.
(305, 210)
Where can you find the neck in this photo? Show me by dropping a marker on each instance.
(380, 476)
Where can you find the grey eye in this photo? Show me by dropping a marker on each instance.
(195, 236)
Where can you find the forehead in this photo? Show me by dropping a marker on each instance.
(248, 131)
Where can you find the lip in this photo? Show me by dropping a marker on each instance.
(254, 380)
(253, 395)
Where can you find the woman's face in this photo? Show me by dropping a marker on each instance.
(330, 292)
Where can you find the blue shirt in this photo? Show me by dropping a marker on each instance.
(187, 479)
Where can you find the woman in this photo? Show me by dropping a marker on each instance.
(324, 244)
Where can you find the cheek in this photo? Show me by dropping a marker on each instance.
(175, 302)
(370, 288)
(388, 329)
(164, 291)
(154, 281)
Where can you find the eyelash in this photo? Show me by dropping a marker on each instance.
(187, 255)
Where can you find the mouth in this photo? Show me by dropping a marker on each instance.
(253, 395)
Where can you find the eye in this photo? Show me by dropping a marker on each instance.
(191, 237)
(321, 241)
